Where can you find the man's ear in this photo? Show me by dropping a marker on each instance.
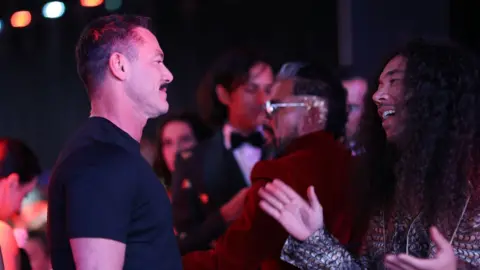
(315, 119)
(222, 94)
(118, 65)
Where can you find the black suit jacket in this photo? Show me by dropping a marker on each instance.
(205, 178)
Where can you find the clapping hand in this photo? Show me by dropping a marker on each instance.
(444, 260)
(300, 218)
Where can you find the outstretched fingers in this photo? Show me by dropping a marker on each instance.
(271, 210)
(441, 242)
(313, 199)
(291, 194)
(278, 193)
(271, 197)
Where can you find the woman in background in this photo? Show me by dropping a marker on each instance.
(176, 133)
(19, 168)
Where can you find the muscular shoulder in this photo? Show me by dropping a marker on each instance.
(283, 165)
(310, 163)
(96, 161)
(326, 151)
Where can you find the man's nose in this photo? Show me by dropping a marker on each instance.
(168, 76)
(379, 97)
(262, 97)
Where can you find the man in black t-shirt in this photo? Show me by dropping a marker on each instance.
(107, 210)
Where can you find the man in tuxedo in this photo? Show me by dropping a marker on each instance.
(210, 181)
(308, 118)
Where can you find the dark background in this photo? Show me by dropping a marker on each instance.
(42, 100)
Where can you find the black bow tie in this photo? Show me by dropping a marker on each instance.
(256, 139)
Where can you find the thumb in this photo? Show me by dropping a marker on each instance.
(242, 192)
(313, 200)
(439, 239)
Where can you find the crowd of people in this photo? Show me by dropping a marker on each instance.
(310, 167)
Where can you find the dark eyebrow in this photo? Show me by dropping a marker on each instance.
(394, 71)
(390, 73)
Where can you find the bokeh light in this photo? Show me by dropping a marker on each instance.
(21, 19)
(91, 3)
(53, 9)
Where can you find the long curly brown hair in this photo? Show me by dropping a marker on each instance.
(439, 162)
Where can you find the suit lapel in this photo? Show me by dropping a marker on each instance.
(235, 177)
(212, 164)
(222, 175)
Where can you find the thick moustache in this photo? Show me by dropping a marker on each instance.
(163, 87)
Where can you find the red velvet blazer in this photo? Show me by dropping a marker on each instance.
(255, 240)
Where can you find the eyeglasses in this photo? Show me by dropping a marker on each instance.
(307, 102)
(271, 107)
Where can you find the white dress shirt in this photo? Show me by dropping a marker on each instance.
(246, 154)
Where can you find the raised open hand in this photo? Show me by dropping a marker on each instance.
(299, 218)
(444, 259)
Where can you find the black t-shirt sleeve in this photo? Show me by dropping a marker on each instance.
(99, 197)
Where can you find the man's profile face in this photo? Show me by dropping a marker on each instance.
(389, 97)
(149, 77)
(356, 89)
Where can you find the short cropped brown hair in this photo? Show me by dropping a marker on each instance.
(102, 37)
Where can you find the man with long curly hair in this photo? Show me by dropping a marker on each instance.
(422, 163)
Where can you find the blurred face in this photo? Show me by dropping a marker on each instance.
(389, 97)
(176, 136)
(12, 194)
(148, 77)
(356, 89)
(292, 116)
(245, 104)
(37, 254)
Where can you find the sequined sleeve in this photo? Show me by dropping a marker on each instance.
(467, 250)
(320, 251)
(466, 242)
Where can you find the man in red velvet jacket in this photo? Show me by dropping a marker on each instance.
(308, 117)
